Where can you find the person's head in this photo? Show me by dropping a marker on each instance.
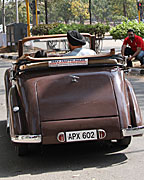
(75, 39)
(131, 34)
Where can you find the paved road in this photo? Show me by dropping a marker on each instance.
(78, 162)
(3, 65)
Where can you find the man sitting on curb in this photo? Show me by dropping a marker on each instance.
(75, 43)
(136, 49)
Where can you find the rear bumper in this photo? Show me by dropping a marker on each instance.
(26, 138)
(133, 131)
(51, 129)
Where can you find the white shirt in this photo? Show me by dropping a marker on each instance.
(80, 52)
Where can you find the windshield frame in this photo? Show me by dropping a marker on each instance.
(56, 36)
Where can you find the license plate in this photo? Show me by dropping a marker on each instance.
(85, 135)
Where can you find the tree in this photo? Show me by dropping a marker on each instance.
(3, 16)
(101, 10)
(115, 10)
(69, 10)
(80, 9)
(10, 13)
(46, 13)
(64, 10)
(22, 12)
(126, 8)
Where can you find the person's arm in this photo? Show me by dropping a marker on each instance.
(139, 42)
(135, 54)
(123, 49)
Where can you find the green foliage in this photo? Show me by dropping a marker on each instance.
(43, 29)
(113, 10)
(126, 8)
(79, 10)
(101, 10)
(72, 11)
(63, 10)
(22, 12)
(120, 31)
(59, 11)
(10, 13)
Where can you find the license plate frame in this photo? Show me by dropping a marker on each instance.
(82, 135)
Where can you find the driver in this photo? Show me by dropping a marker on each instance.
(75, 43)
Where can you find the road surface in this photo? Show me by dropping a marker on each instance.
(72, 162)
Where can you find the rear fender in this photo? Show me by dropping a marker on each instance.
(8, 84)
(135, 113)
(18, 123)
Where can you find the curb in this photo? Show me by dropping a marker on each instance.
(9, 57)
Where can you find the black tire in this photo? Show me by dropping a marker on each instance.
(22, 149)
(8, 130)
(124, 142)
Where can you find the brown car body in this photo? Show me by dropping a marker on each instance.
(45, 103)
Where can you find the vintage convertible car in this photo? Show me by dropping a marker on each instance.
(56, 99)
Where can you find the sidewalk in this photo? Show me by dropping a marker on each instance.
(7, 54)
(108, 44)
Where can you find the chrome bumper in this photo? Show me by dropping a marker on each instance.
(26, 138)
(133, 131)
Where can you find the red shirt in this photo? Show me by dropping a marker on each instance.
(137, 42)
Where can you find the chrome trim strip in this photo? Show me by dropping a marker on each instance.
(133, 131)
(26, 138)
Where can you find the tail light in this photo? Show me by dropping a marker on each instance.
(61, 137)
(101, 134)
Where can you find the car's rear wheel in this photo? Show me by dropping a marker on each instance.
(124, 142)
(22, 149)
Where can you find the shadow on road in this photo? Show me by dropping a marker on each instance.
(55, 158)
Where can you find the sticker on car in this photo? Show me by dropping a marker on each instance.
(68, 62)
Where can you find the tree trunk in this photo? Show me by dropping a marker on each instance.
(46, 13)
(90, 11)
(125, 8)
(66, 21)
(17, 15)
(3, 16)
(81, 20)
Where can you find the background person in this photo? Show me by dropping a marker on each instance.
(75, 43)
(135, 49)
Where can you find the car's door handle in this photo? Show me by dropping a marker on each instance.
(74, 78)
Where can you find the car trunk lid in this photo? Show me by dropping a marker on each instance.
(79, 95)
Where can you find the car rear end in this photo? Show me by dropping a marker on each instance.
(78, 105)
